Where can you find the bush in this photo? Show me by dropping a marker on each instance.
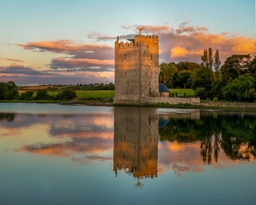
(66, 95)
(240, 89)
(8, 91)
(42, 95)
(215, 99)
(27, 95)
(200, 92)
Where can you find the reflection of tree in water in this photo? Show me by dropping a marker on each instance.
(235, 134)
(9, 117)
(239, 137)
(210, 145)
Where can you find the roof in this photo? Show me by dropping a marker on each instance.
(162, 122)
(163, 88)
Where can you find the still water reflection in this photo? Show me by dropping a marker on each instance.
(53, 154)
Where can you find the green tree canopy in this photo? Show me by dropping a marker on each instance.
(185, 65)
(241, 89)
(183, 78)
(8, 91)
(67, 95)
(235, 66)
(167, 72)
(42, 95)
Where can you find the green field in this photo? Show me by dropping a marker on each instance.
(180, 92)
(110, 93)
(90, 94)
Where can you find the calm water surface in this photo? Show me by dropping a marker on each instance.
(56, 154)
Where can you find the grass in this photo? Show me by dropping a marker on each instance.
(110, 93)
(90, 94)
(180, 92)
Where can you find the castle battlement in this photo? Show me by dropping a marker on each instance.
(146, 36)
(126, 44)
(137, 38)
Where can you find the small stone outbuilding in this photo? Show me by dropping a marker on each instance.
(163, 90)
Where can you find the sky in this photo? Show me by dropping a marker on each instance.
(71, 42)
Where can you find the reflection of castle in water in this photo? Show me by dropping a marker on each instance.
(136, 141)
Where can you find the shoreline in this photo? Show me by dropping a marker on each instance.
(223, 105)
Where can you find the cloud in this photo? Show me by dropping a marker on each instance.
(19, 70)
(95, 62)
(178, 52)
(100, 37)
(69, 47)
(22, 75)
(149, 28)
(187, 42)
(83, 64)
(12, 59)
(83, 57)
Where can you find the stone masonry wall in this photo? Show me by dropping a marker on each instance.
(173, 101)
(136, 68)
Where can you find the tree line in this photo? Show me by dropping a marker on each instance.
(235, 80)
(9, 91)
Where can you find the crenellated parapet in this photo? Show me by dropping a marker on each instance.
(146, 37)
(126, 44)
(137, 38)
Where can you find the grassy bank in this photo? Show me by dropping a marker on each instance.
(181, 92)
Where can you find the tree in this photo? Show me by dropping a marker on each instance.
(185, 65)
(8, 91)
(217, 61)
(207, 59)
(252, 67)
(204, 59)
(67, 95)
(42, 95)
(27, 95)
(210, 58)
(183, 78)
(166, 74)
(201, 78)
(235, 66)
(3, 90)
(241, 89)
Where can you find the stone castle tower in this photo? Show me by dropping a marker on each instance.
(136, 69)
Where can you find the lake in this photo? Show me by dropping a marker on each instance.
(62, 154)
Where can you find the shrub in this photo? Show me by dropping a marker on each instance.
(66, 95)
(200, 92)
(42, 95)
(215, 99)
(27, 95)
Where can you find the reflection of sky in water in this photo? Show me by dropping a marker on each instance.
(66, 157)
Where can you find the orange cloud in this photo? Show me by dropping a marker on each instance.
(178, 51)
(187, 42)
(64, 46)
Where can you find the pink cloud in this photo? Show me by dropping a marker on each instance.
(64, 46)
(22, 75)
(87, 64)
(187, 42)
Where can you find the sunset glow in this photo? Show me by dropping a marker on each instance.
(77, 45)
